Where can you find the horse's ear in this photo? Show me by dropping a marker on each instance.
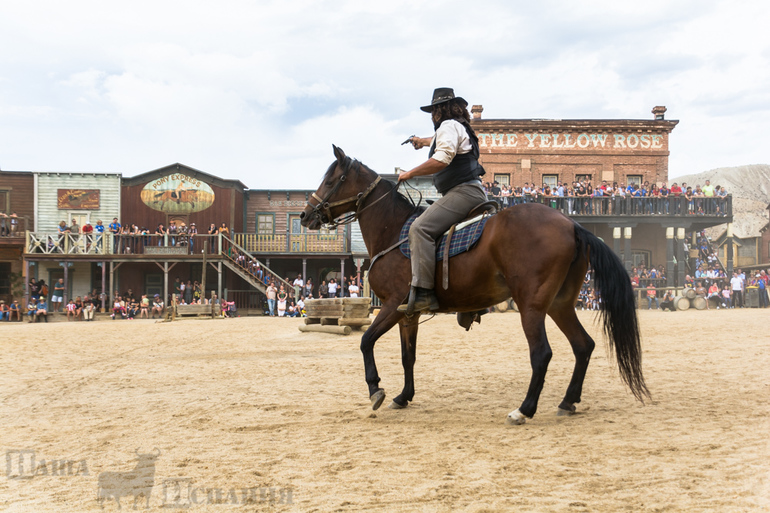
(339, 153)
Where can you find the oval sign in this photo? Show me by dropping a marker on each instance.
(177, 194)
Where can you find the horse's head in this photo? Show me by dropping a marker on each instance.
(343, 188)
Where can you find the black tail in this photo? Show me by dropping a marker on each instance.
(617, 310)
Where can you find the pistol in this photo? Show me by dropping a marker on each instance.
(408, 140)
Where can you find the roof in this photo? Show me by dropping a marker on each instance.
(187, 170)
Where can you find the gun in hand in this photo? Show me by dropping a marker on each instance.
(408, 140)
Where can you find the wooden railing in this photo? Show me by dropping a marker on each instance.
(293, 243)
(14, 226)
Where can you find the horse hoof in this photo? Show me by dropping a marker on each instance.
(377, 398)
(564, 412)
(516, 418)
(395, 406)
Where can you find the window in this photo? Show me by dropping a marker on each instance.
(634, 179)
(640, 257)
(5, 201)
(265, 224)
(550, 180)
(503, 179)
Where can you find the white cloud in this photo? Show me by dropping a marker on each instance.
(259, 91)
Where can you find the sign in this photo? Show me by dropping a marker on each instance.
(77, 199)
(573, 141)
(177, 193)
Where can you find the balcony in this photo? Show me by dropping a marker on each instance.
(13, 229)
(315, 243)
(598, 208)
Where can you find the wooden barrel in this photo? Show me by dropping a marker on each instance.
(689, 293)
(699, 303)
(502, 307)
(681, 303)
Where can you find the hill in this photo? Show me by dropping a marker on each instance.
(750, 187)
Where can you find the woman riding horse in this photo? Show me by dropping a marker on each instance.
(542, 268)
(453, 161)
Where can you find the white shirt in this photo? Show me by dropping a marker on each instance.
(353, 290)
(737, 283)
(333, 288)
(451, 138)
(299, 283)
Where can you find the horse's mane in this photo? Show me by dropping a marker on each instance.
(399, 198)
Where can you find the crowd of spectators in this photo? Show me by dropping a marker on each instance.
(130, 238)
(291, 303)
(584, 198)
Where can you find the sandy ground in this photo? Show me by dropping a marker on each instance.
(254, 404)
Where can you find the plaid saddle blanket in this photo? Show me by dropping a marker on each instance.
(465, 236)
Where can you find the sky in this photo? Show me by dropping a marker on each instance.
(258, 91)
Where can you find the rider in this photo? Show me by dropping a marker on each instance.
(454, 163)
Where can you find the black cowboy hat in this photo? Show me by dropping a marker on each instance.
(442, 95)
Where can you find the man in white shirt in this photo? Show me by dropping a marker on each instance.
(736, 284)
(453, 161)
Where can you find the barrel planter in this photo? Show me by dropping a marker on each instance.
(681, 303)
(689, 293)
(699, 303)
(502, 307)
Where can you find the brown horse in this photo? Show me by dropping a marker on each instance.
(529, 252)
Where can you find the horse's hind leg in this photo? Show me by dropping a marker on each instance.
(582, 347)
(408, 330)
(540, 354)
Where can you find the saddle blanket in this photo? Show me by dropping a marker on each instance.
(465, 236)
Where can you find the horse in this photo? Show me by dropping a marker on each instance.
(182, 196)
(530, 252)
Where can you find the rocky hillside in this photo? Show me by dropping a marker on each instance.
(750, 187)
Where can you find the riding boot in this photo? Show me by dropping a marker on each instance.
(420, 299)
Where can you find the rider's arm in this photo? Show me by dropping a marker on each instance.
(429, 167)
(421, 142)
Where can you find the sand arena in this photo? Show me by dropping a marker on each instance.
(250, 414)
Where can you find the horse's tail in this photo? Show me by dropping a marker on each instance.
(617, 309)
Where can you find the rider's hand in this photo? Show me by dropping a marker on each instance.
(404, 176)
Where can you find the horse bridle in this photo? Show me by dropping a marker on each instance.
(322, 211)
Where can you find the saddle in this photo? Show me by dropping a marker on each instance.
(469, 231)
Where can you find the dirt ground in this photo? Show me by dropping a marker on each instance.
(250, 414)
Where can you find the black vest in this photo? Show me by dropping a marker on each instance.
(463, 168)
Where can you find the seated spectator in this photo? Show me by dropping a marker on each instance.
(133, 310)
(41, 310)
(14, 309)
(31, 307)
(727, 296)
(713, 293)
(157, 306)
(118, 308)
(79, 308)
(71, 310)
(652, 297)
(144, 307)
(4, 311)
(88, 308)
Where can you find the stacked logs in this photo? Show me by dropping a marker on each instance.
(337, 315)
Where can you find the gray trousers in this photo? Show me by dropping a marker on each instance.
(431, 224)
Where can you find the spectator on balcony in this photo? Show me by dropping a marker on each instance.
(191, 233)
(5, 225)
(114, 229)
(99, 230)
(88, 231)
(173, 230)
(224, 230)
(160, 232)
(675, 194)
(14, 224)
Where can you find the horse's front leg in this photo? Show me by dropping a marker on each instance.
(408, 330)
(386, 319)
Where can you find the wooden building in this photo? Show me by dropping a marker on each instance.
(17, 215)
